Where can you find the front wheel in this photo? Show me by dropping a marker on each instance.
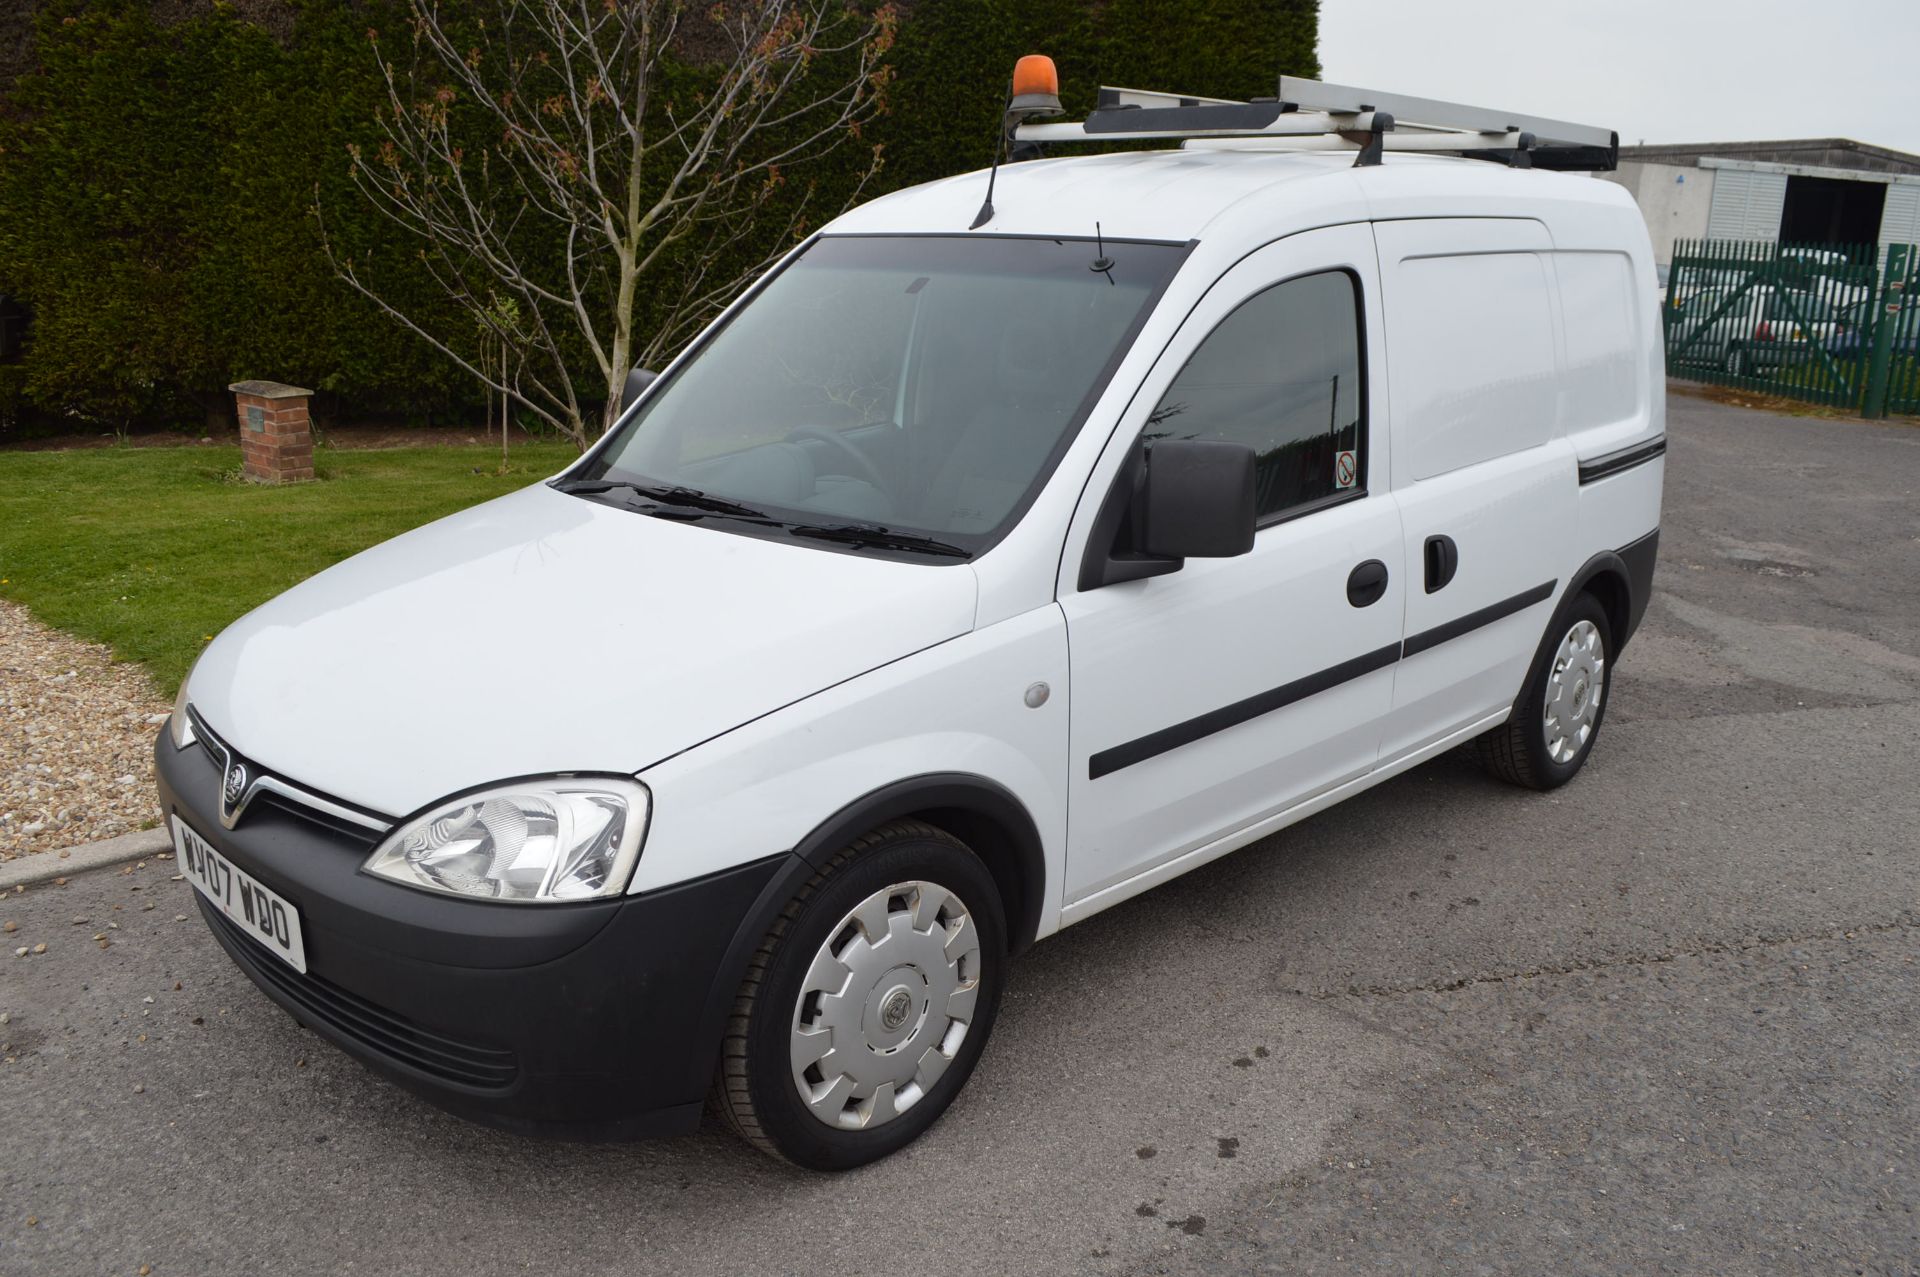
(866, 1007)
(1553, 728)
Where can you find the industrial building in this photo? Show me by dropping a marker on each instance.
(1814, 191)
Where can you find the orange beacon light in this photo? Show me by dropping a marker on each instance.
(1035, 91)
(1036, 86)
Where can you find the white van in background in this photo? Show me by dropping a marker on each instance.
(991, 561)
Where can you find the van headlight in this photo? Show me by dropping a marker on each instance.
(530, 842)
(179, 726)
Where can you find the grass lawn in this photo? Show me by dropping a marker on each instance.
(154, 550)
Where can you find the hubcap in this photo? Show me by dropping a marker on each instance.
(1575, 688)
(885, 1005)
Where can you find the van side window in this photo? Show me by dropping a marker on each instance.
(1282, 374)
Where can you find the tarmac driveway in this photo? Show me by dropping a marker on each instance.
(1666, 1019)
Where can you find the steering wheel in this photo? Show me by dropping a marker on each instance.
(862, 464)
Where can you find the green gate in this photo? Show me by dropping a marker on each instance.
(1897, 344)
(1784, 319)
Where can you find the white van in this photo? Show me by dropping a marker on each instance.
(983, 566)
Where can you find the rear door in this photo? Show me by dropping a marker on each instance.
(1486, 482)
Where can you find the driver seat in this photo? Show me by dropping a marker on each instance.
(1012, 430)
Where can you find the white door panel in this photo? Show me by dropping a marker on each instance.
(1212, 697)
(1480, 460)
(1175, 742)
(1468, 644)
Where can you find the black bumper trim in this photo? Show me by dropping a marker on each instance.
(400, 1041)
(1638, 557)
(1625, 459)
(600, 1020)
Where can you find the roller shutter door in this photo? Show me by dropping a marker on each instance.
(1746, 204)
(1900, 219)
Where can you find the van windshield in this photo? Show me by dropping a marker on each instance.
(924, 384)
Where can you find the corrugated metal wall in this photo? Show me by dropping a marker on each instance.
(1746, 204)
(1900, 219)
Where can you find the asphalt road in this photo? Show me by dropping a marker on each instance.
(1664, 1020)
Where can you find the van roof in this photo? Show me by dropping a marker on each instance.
(1220, 192)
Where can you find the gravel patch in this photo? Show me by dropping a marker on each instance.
(76, 735)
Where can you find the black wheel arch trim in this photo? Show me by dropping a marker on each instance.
(949, 791)
(1633, 565)
(985, 799)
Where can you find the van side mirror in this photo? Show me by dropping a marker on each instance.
(1196, 500)
(637, 382)
(1176, 499)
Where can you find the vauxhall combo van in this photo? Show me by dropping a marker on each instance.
(1019, 542)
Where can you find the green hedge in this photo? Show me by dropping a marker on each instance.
(155, 211)
(954, 57)
(157, 182)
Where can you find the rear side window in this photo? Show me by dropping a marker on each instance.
(1473, 340)
(1282, 375)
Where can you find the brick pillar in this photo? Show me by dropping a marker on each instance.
(276, 438)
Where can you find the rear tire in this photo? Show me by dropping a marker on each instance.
(1553, 728)
(868, 1004)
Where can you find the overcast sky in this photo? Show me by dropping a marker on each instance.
(1656, 70)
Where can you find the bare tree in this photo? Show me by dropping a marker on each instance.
(599, 168)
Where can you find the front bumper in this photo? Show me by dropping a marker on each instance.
(596, 1020)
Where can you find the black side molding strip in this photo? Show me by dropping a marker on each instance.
(1152, 745)
(1625, 459)
(1167, 739)
(1459, 625)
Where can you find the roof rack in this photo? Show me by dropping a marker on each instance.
(1310, 115)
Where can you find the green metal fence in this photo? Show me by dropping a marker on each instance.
(1825, 323)
(1899, 333)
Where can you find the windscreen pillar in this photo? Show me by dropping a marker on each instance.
(276, 435)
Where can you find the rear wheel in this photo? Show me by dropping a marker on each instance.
(867, 1006)
(1553, 728)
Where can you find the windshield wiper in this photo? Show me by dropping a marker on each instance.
(858, 534)
(675, 502)
(666, 494)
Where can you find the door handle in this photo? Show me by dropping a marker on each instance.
(1443, 559)
(1367, 584)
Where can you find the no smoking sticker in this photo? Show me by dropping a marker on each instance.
(1345, 467)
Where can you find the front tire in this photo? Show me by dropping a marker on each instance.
(1552, 730)
(868, 1004)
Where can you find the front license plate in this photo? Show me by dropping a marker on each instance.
(260, 913)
